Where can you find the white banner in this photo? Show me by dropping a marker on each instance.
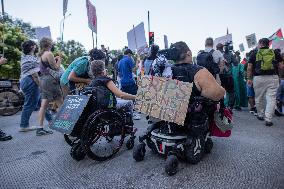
(136, 37)
(224, 39)
(42, 32)
(251, 40)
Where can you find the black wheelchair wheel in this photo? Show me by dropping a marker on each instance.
(208, 146)
(10, 102)
(130, 144)
(194, 149)
(77, 152)
(139, 152)
(103, 134)
(171, 166)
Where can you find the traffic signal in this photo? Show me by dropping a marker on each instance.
(151, 38)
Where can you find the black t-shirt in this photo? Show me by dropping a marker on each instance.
(252, 58)
(100, 81)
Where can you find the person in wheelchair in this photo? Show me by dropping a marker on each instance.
(204, 83)
(100, 79)
(191, 140)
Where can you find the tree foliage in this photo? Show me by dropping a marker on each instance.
(13, 32)
(70, 50)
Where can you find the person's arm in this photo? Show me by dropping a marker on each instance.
(73, 77)
(52, 62)
(250, 68)
(208, 86)
(111, 86)
(35, 78)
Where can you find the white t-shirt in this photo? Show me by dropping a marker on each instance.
(217, 55)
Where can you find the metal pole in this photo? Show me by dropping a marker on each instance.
(2, 3)
(149, 26)
(93, 39)
(3, 14)
(96, 40)
(62, 28)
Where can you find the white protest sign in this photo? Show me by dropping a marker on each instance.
(136, 37)
(251, 40)
(223, 40)
(42, 32)
(242, 48)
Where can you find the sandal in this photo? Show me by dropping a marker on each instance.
(41, 132)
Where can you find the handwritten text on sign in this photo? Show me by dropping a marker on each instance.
(163, 98)
(69, 113)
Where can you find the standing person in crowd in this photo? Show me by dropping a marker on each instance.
(280, 92)
(148, 61)
(49, 82)
(4, 136)
(126, 67)
(239, 83)
(263, 69)
(78, 71)
(227, 77)
(29, 83)
(250, 89)
(210, 58)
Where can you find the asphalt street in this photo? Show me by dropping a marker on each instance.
(253, 157)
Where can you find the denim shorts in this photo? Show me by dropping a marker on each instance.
(250, 91)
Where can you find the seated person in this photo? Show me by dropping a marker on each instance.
(97, 68)
(78, 71)
(204, 84)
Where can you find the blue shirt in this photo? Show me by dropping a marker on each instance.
(125, 67)
(80, 66)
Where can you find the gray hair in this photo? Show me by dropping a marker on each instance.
(96, 68)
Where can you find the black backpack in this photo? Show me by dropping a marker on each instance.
(102, 97)
(205, 59)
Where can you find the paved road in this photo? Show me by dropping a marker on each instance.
(253, 157)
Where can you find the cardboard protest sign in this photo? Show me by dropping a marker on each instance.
(251, 40)
(223, 40)
(163, 98)
(136, 37)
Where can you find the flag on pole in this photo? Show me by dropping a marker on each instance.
(92, 16)
(65, 2)
(277, 35)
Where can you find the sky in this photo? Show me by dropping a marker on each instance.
(181, 20)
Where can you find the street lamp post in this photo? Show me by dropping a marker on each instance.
(62, 24)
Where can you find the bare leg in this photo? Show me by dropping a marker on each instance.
(43, 107)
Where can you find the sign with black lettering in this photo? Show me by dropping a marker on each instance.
(163, 98)
(69, 113)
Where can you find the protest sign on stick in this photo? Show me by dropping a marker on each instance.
(163, 98)
(251, 40)
(136, 37)
(223, 40)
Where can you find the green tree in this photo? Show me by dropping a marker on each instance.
(14, 32)
(70, 51)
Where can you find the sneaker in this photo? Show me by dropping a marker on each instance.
(260, 118)
(4, 136)
(136, 116)
(41, 132)
(26, 129)
(253, 111)
(268, 123)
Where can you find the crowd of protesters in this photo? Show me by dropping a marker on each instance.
(246, 82)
